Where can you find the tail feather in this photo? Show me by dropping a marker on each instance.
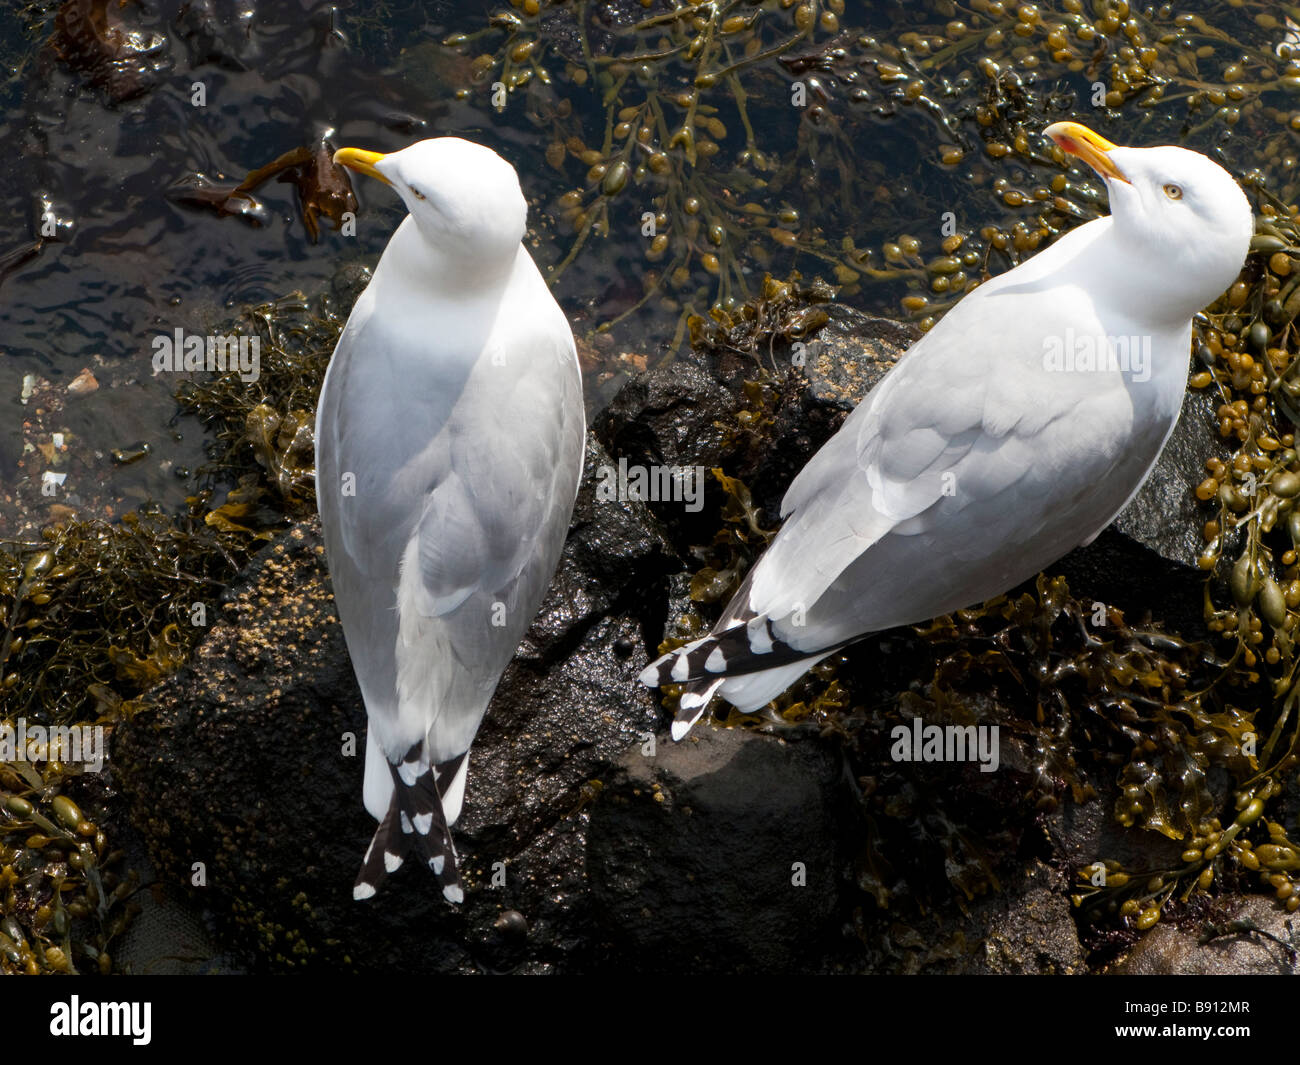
(383, 856)
(415, 822)
(692, 704)
(747, 652)
(750, 647)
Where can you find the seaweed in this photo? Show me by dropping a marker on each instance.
(724, 141)
(94, 613)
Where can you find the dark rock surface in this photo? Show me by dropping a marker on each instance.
(1165, 515)
(685, 413)
(1146, 561)
(238, 765)
(727, 831)
(1029, 929)
(581, 851)
(1026, 928)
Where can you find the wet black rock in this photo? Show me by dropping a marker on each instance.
(840, 360)
(1145, 562)
(1081, 832)
(1025, 929)
(685, 414)
(834, 368)
(675, 416)
(1165, 515)
(1029, 928)
(1252, 936)
(238, 777)
(719, 854)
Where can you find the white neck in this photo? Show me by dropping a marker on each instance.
(418, 261)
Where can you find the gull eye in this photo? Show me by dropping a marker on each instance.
(1174, 192)
(420, 195)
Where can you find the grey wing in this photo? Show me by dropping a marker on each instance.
(478, 563)
(373, 418)
(444, 517)
(968, 444)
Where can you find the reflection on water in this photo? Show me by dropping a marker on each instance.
(126, 262)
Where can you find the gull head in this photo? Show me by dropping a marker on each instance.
(1183, 220)
(464, 198)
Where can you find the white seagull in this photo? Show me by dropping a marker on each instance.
(449, 443)
(1014, 431)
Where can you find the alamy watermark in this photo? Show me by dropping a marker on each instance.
(651, 484)
(63, 743)
(920, 742)
(237, 352)
(78, 1018)
(1088, 353)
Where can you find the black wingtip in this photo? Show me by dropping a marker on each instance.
(748, 647)
(415, 822)
(384, 856)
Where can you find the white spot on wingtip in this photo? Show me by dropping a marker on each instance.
(649, 677)
(406, 823)
(423, 822)
(681, 668)
(436, 864)
(453, 893)
(361, 892)
(409, 772)
(680, 728)
(716, 662)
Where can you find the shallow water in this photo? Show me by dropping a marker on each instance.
(127, 263)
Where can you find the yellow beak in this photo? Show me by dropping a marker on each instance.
(1077, 139)
(360, 160)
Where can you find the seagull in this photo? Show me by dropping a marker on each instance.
(1015, 430)
(449, 442)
